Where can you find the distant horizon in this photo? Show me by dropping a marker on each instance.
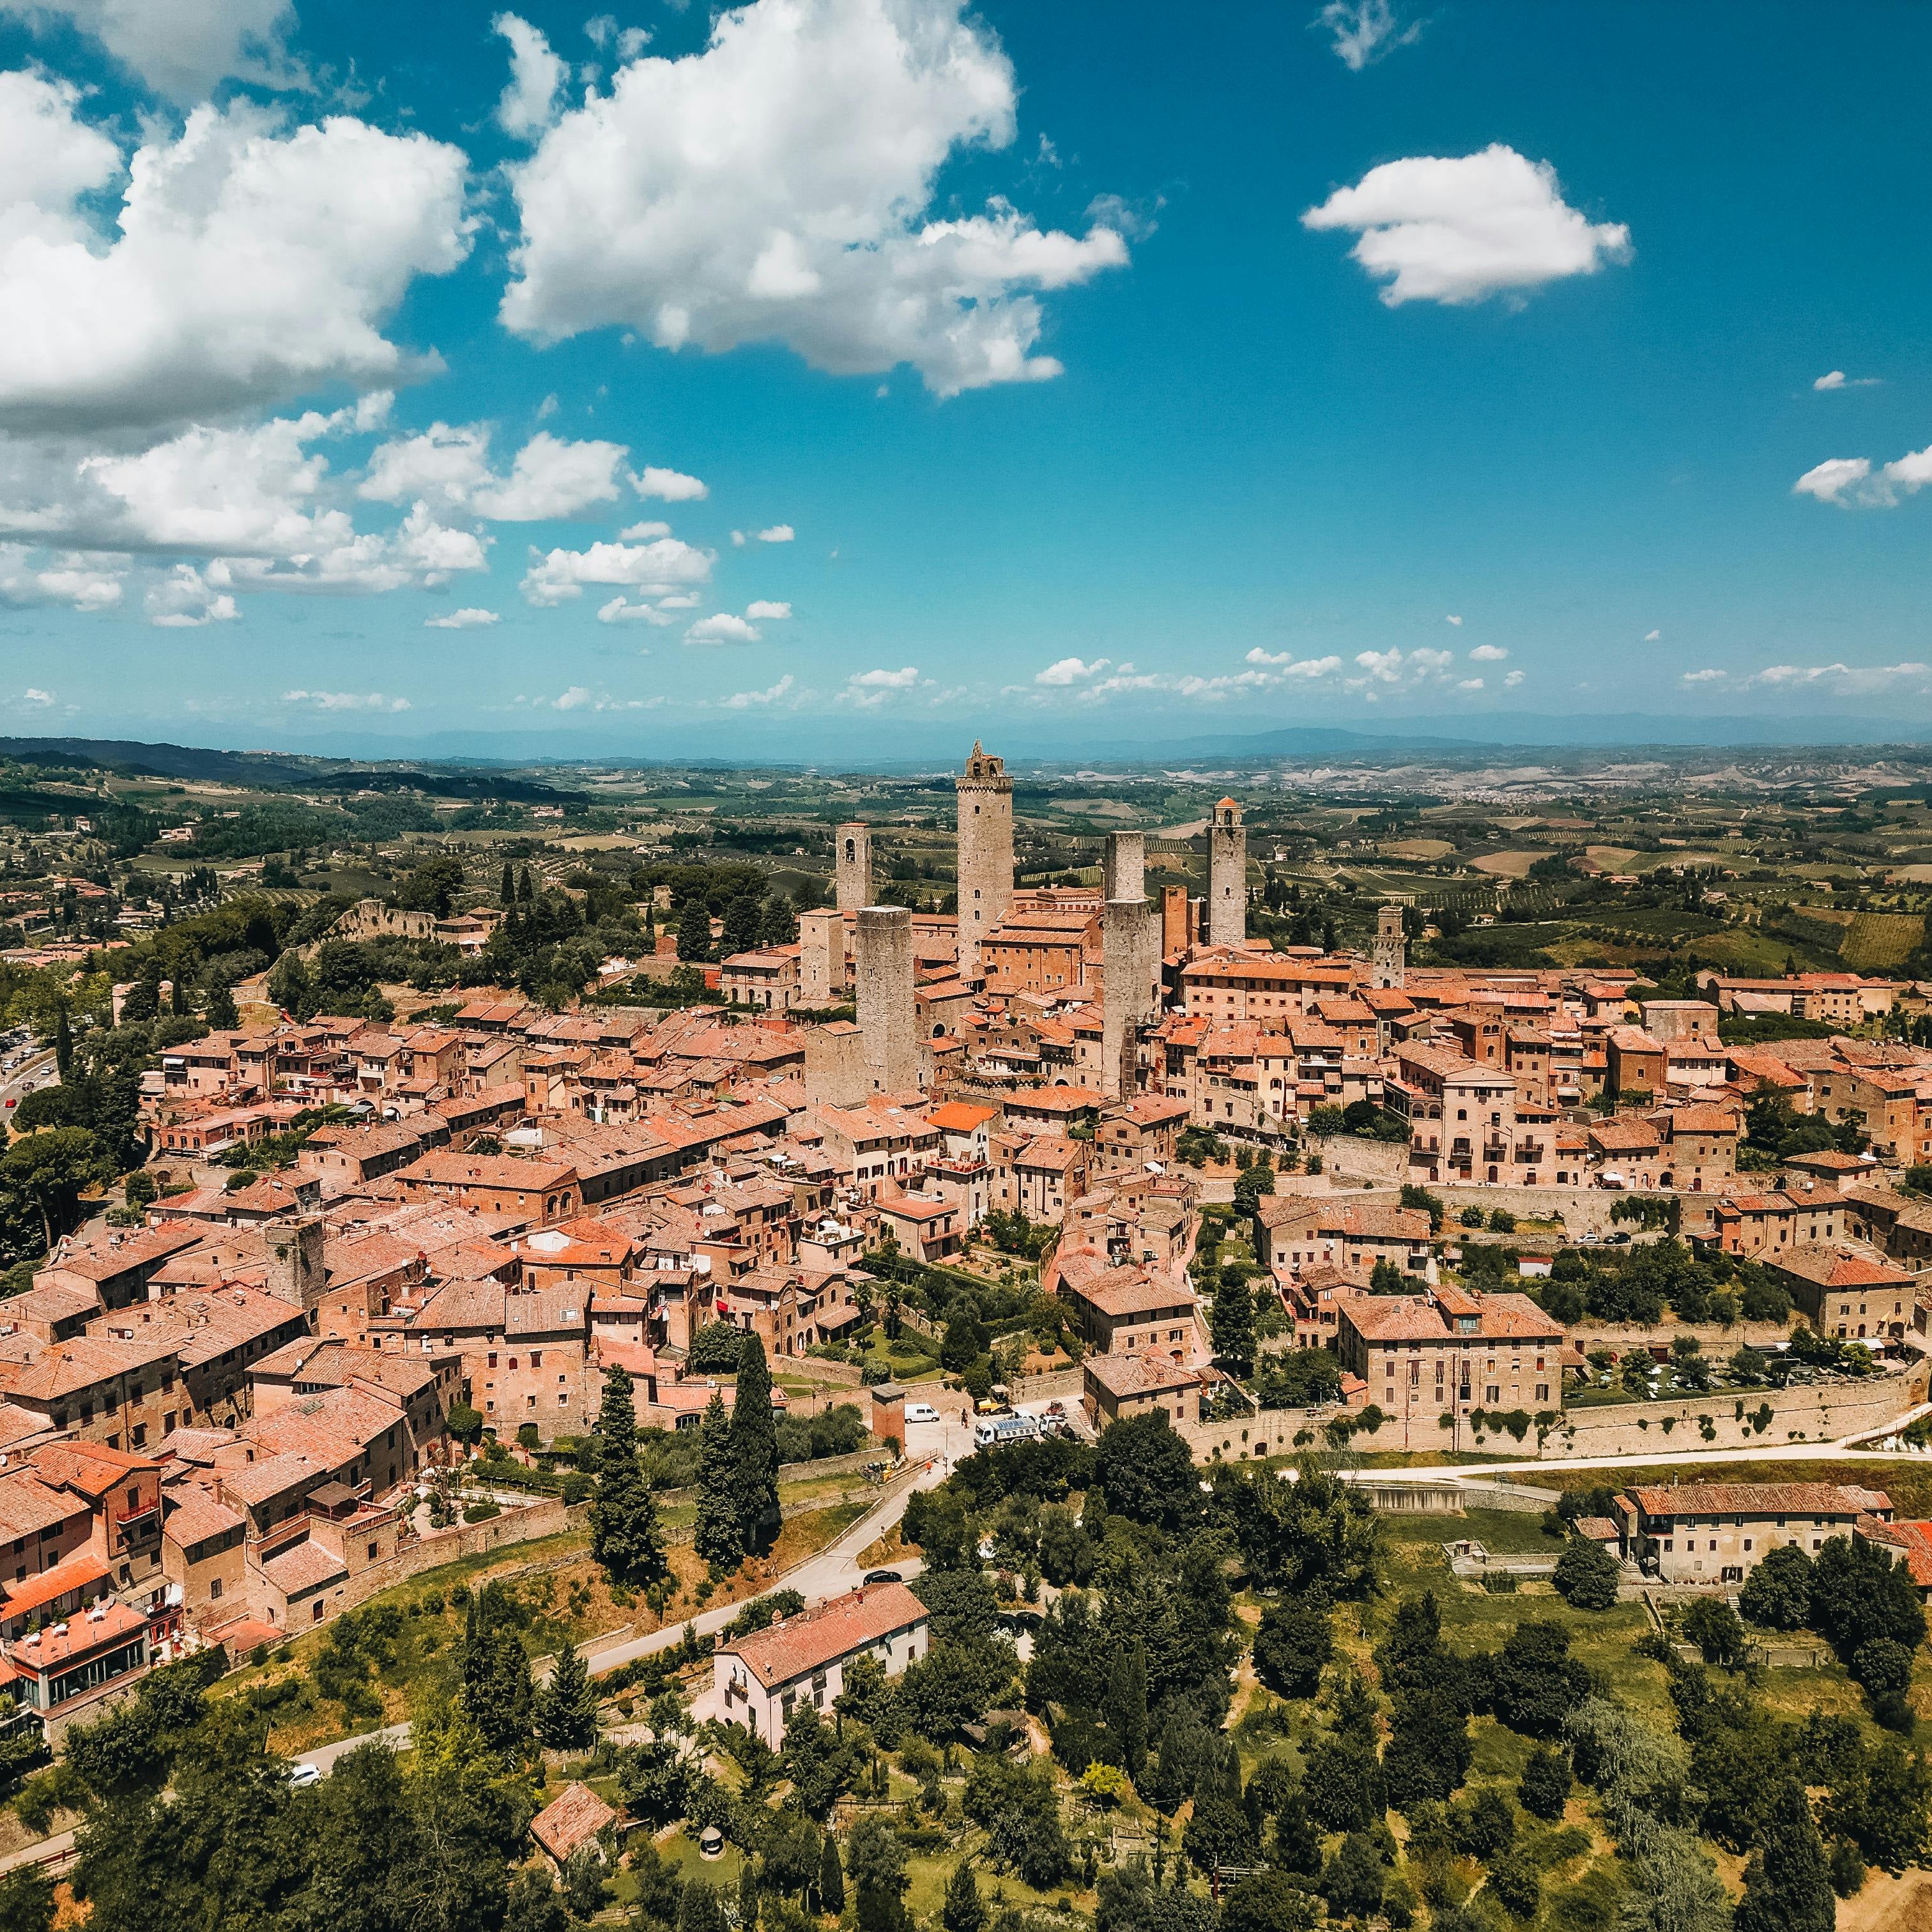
(1500, 739)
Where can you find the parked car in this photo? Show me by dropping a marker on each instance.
(921, 1411)
(883, 1577)
(302, 1775)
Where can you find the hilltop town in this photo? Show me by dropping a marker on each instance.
(354, 1232)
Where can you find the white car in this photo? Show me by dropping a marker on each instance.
(921, 1411)
(302, 1774)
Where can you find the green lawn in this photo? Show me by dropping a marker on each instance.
(1502, 1532)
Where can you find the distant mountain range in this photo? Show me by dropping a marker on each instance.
(867, 744)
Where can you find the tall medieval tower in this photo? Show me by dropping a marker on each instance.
(853, 847)
(1227, 876)
(985, 853)
(1391, 956)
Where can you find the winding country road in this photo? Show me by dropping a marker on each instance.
(829, 1572)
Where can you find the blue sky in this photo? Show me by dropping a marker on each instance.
(1116, 371)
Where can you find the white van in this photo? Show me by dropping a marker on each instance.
(921, 1411)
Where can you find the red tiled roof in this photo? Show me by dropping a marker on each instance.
(1751, 1499)
(570, 1821)
(76, 1572)
(796, 1646)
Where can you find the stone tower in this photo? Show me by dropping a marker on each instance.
(852, 845)
(1131, 954)
(1391, 950)
(821, 958)
(886, 1017)
(1227, 876)
(985, 853)
(1177, 933)
(1123, 866)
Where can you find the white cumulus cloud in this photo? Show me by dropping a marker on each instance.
(247, 261)
(765, 611)
(777, 533)
(1829, 481)
(1288, 665)
(1651, 637)
(552, 477)
(1488, 654)
(185, 600)
(180, 49)
(743, 700)
(537, 76)
(1836, 378)
(78, 580)
(1457, 621)
(469, 618)
(450, 467)
(668, 486)
(1514, 679)
(656, 569)
(723, 628)
(774, 186)
(1457, 229)
(1395, 667)
(621, 611)
(1851, 481)
(1710, 675)
(1065, 671)
(869, 689)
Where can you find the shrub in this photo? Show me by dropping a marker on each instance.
(1586, 1577)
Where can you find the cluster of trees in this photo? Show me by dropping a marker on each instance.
(1859, 1599)
(188, 1820)
(1636, 1285)
(1774, 1132)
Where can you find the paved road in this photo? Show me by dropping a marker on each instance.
(830, 1573)
(55, 1852)
(323, 1757)
(30, 1074)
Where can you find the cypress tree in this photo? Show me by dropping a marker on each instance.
(717, 1540)
(831, 1879)
(1298, 1844)
(962, 1911)
(748, 1898)
(624, 1535)
(1787, 1885)
(755, 1451)
(566, 1710)
(1125, 1708)
(506, 892)
(523, 891)
(496, 1688)
(694, 929)
(63, 1042)
(1232, 1319)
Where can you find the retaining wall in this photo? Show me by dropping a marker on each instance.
(816, 1369)
(1822, 1413)
(1348, 1157)
(1055, 1384)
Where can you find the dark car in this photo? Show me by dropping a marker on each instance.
(883, 1576)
